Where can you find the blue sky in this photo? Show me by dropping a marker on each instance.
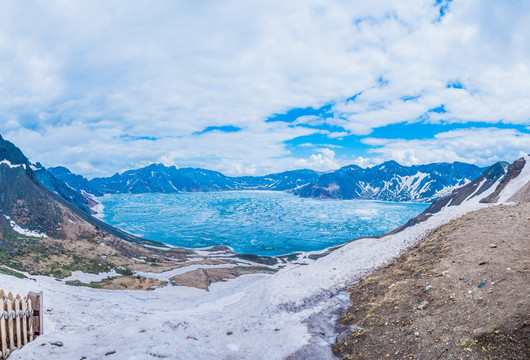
(254, 87)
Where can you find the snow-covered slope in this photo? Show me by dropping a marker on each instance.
(291, 313)
(516, 184)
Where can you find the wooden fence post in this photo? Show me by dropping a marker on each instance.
(25, 317)
(3, 318)
(21, 320)
(10, 322)
(37, 306)
(18, 315)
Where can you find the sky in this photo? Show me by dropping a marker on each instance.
(256, 87)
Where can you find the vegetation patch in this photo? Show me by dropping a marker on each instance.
(6, 271)
(122, 283)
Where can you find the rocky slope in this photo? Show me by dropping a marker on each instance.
(78, 198)
(391, 181)
(40, 232)
(461, 292)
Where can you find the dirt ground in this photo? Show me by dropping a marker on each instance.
(123, 283)
(463, 293)
(203, 278)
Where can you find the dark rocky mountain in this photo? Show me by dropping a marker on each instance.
(391, 181)
(163, 179)
(512, 171)
(65, 191)
(76, 182)
(29, 208)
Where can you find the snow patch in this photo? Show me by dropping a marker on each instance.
(516, 184)
(164, 276)
(98, 210)
(8, 163)
(23, 231)
(88, 278)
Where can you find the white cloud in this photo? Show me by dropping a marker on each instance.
(482, 51)
(365, 162)
(77, 78)
(338, 134)
(477, 146)
(323, 161)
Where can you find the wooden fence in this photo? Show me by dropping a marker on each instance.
(20, 320)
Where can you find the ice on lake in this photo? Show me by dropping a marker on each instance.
(253, 222)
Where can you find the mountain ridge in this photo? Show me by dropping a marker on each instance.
(387, 181)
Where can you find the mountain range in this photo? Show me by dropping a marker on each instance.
(388, 181)
(391, 181)
(56, 203)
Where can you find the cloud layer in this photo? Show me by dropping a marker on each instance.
(104, 86)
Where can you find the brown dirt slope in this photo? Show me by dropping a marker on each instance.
(203, 278)
(523, 195)
(463, 293)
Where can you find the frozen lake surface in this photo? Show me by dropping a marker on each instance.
(253, 222)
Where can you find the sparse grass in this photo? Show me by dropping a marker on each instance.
(258, 259)
(10, 272)
(45, 257)
(254, 269)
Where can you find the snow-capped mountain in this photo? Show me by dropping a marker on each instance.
(162, 179)
(388, 181)
(500, 183)
(158, 178)
(391, 181)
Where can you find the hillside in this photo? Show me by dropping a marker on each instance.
(42, 233)
(293, 314)
(461, 293)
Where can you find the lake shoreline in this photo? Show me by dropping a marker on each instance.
(263, 223)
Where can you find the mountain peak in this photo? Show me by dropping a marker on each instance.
(60, 170)
(11, 153)
(389, 165)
